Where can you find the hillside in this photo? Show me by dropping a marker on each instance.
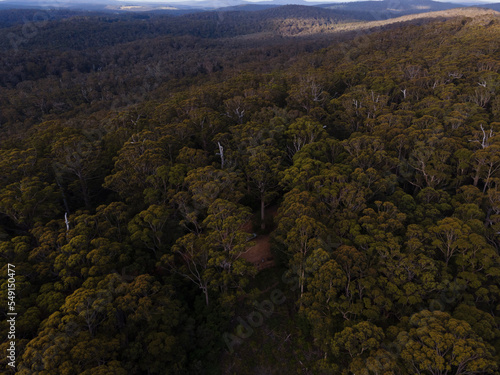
(78, 31)
(388, 8)
(279, 191)
(495, 6)
(360, 27)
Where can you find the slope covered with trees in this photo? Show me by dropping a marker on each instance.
(133, 176)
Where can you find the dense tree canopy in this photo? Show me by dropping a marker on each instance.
(134, 176)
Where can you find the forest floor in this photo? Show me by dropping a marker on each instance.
(260, 253)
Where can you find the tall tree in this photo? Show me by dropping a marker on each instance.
(436, 343)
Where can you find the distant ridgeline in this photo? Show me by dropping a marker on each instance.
(290, 189)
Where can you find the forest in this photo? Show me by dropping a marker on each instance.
(269, 192)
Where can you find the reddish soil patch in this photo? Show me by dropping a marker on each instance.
(247, 227)
(260, 254)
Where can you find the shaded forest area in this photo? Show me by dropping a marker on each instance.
(132, 167)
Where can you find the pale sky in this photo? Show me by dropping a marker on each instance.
(166, 2)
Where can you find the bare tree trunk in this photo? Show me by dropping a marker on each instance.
(205, 291)
(262, 213)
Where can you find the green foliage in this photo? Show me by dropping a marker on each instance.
(132, 173)
(437, 342)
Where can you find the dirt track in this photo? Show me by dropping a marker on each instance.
(260, 254)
